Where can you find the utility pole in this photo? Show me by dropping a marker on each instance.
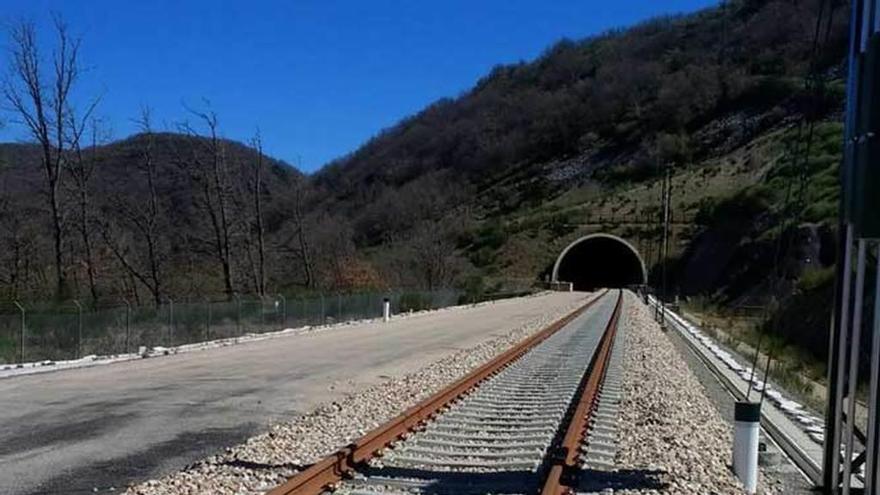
(667, 198)
(649, 241)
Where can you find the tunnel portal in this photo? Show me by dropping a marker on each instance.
(600, 260)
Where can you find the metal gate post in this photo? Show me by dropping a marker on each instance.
(858, 228)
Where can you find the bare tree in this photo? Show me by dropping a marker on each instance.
(81, 165)
(335, 255)
(19, 242)
(258, 185)
(207, 165)
(298, 233)
(305, 252)
(432, 256)
(44, 104)
(147, 221)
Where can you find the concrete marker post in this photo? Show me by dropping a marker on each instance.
(386, 310)
(747, 424)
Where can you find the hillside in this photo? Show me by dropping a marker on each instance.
(539, 153)
(607, 109)
(481, 191)
(151, 191)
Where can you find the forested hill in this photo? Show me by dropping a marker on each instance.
(477, 192)
(676, 89)
(743, 101)
(156, 215)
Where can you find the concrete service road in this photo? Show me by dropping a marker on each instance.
(107, 426)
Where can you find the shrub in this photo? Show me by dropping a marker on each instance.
(815, 278)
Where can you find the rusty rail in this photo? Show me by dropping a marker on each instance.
(560, 478)
(331, 469)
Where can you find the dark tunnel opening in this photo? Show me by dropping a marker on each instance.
(600, 261)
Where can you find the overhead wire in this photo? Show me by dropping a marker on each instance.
(799, 161)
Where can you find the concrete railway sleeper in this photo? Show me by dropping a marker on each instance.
(515, 425)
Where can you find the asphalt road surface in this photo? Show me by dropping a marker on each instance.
(101, 428)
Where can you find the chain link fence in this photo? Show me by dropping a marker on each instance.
(37, 332)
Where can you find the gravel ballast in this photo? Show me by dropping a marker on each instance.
(674, 440)
(268, 459)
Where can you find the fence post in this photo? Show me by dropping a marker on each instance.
(21, 332)
(305, 314)
(369, 304)
(237, 297)
(262, 313)
(127, 327)
(79, 328)
(170, 335)
(207, 319)
(323, 314)
(283, 310)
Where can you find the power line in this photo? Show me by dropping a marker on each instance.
(800, 156)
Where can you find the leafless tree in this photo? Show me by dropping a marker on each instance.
(41, 98)
(335, 258)
(296, 238)
(18, 245)
(432, 256)
(258, 185)
(207, 164)
(147, 221)
(302, 238)
(81, 165)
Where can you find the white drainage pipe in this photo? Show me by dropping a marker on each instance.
(747, 423)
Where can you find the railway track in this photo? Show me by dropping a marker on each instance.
(516, 425)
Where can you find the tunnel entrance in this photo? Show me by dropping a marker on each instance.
(600, 260)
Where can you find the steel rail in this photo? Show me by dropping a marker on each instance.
(333, 468)
(561, 475)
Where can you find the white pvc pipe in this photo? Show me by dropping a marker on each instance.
(386, 310)
(747, 423)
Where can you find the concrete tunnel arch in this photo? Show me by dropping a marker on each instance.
(600, 260)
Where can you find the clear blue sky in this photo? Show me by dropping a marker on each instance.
(317, 77)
